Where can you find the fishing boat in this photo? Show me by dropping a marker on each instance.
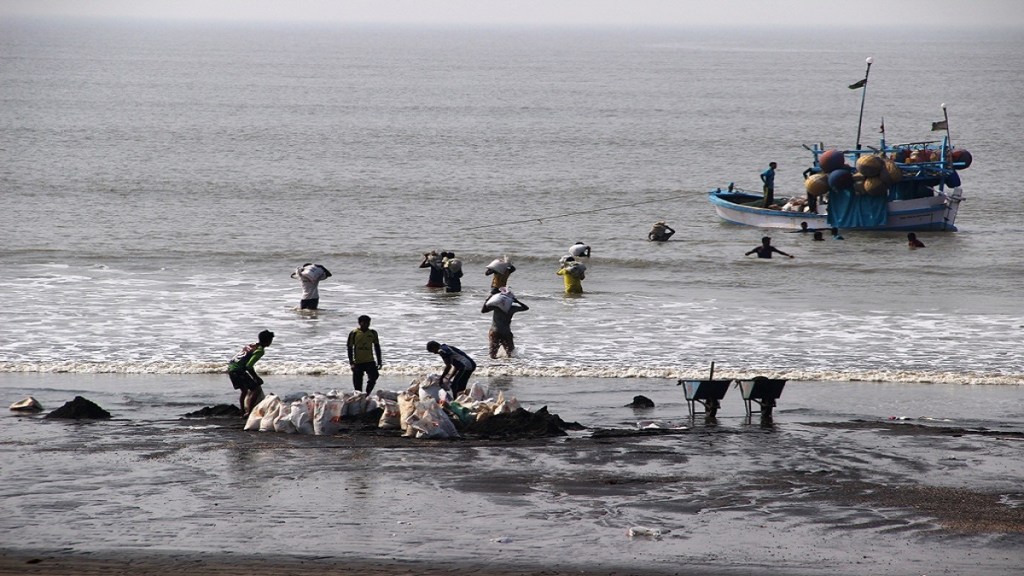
(910, 187)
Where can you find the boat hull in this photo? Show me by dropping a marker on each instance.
(933, 213)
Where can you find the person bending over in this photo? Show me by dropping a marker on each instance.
(242, 371)
(457, 362)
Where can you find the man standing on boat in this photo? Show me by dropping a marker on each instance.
(768, 177)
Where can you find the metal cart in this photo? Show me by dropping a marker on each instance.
(762, 391)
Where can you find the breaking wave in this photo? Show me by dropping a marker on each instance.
(504, 369)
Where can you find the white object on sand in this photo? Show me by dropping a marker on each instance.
(28, 404)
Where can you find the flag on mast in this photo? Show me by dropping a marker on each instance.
(944, 125)
(859, 84)
(882, 128)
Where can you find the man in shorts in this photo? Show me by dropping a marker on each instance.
(500, 334)
(310, 275)
(455, 361)
(242, 371)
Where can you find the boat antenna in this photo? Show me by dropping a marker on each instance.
(862, 84)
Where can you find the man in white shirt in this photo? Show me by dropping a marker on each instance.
(310, 275)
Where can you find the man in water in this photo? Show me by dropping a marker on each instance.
(500, 334)
(836, 235)
(765, 249)
(310, 275)
(434, 261)
(363, 344)
(455, 361)
(452, 272)
(912, 241)
(768, 178)
(660, 232)
(579, 250)
(572, 273)
(242, 371)
(501, 275)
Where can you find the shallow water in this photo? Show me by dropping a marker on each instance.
(154, 232)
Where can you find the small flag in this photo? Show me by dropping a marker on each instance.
(882, 129)
(944, 125)
(859, 84)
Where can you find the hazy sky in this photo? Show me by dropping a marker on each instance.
(1004, 13)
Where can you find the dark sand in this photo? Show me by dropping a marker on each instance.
(899, 513)
(156, 564)
(815, 493)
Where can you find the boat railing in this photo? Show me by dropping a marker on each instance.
(915, 170)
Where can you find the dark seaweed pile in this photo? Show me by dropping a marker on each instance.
(80, 409)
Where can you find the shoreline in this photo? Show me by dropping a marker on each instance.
(158, 563)
(503, 369)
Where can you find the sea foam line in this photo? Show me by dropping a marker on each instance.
(341, 369)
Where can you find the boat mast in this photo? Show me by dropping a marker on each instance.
(945, 119)
(863, 95)
(947, 145)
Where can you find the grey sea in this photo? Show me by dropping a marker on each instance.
(160, 182)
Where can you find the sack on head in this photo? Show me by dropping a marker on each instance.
(500, 265)
(576, 270)
(501, 300)
(453, 264)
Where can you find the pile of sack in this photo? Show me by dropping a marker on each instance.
(427, 409)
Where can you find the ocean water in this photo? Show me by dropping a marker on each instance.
(160, 182)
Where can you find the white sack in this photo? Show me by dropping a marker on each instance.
(407, 410)
(502, 300)
(327, 415)
(259, 411)
(391, 418)
(430, 421)
(499, 265)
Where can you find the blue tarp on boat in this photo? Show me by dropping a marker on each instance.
(848, 210)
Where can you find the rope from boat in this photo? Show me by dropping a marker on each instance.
(577, 213)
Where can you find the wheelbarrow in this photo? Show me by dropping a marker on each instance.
(708, 393)
(763, 392)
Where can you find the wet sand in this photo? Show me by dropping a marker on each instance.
(912, 527)
(817, 492)
(56, 564)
